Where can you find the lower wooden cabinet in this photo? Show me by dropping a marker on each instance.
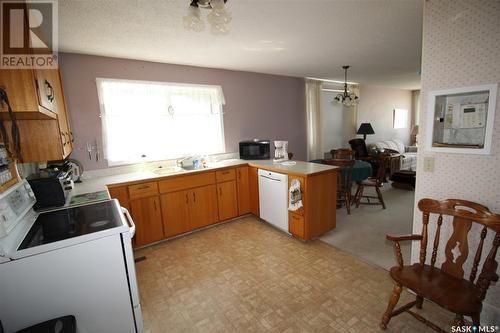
(175, 212)
(243, 185)
(121, 194)
(228, 200)
(203, 206)
(146, 213)
(187, 210)
(253, 190)
(296, 225)
(175, 205)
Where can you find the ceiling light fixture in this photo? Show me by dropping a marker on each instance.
(347, 98)
(218, 17)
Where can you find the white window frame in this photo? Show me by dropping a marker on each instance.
(100, 80)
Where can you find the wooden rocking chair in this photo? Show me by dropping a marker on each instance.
(446, 286)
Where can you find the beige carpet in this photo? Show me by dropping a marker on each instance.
(363, 232)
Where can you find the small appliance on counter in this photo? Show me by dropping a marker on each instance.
(280, 151)
(51, 188)
(255, 149)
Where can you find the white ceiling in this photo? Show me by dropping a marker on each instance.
(380, 39)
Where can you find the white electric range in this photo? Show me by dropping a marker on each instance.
(69, 261)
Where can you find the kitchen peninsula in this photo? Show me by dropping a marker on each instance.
(170, 202)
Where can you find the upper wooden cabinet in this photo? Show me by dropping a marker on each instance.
(37, 99)
(31, 93)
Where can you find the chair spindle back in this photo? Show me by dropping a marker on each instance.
(464, 214)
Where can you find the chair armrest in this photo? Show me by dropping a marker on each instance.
(411, 149)
(401, 238)
(397, 247)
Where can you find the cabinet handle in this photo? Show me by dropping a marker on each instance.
(225, 172)
(194, 197)
(63, 137)
(187, 199)
(49, 91)
(239, 174)
(143, 187)
(220, 191)
(154, 202)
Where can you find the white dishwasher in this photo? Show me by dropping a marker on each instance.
(273, 198)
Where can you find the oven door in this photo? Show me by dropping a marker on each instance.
(254, 151)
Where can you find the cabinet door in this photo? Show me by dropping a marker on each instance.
(45, 85)
(20, 85)
(227, 199)
(146, 213)
(175, 212)
(203, 206)
(242, 183)
(62, 113)
(253, 179)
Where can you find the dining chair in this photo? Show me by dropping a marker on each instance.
(343, 154)
(447, 286)
(344, 181)
(376, 182)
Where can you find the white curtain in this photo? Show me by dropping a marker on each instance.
(150, 121)
(313, 111)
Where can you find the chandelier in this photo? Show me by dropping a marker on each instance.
(218, 17)
(347, 98)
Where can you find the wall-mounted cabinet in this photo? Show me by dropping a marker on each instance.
(37, 99)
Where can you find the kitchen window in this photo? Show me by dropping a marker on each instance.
(152, 121)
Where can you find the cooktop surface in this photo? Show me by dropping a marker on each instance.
(72, 222)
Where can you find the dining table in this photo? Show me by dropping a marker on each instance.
(361, 170)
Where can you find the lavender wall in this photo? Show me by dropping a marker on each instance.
(257, 105)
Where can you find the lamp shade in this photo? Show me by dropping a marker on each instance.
(365, 128)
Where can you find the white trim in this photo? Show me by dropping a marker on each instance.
(193, 85)
(490, 117)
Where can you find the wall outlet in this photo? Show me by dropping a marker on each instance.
(429, 163)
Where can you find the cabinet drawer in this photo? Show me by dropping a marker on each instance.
(186, 182)
(225, 175)
(296, 225)
(142, 190)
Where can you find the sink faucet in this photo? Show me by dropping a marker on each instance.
(178, 162)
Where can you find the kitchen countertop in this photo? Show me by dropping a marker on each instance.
(94, 184)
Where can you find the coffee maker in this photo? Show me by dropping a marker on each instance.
(280, 151)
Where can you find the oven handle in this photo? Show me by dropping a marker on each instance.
(130, 222)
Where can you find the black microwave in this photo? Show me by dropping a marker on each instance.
(255, 149)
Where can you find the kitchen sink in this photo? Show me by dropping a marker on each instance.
(167, 170)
